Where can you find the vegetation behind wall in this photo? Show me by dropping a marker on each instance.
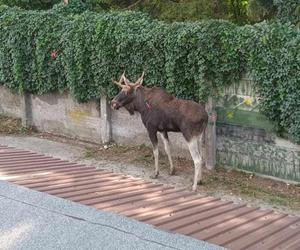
(70, 48)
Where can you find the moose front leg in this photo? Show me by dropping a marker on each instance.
(154, 141)
(155, 153)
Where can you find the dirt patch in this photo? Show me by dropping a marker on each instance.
(11, 126)
(227, 184)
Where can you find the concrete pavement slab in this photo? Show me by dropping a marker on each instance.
(34, 220)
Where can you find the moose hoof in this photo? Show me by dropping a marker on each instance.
(172, 171)
(194, 188)
(200, 182)
(154, 176)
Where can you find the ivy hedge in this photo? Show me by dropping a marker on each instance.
(76, 50)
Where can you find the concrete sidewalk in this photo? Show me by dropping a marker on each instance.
(34, 220)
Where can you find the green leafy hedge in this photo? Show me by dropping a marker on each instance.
(288, 10)
(81, 51)
(30, 4)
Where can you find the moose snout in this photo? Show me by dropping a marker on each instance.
(115, 105)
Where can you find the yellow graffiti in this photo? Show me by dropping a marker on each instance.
(78, 116)
(248, 101)
(229, 114)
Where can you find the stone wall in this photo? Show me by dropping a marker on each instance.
(246, 139)
(258, 151)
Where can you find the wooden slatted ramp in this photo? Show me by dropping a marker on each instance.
(205, 218)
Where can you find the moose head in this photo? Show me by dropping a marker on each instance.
(127, 94)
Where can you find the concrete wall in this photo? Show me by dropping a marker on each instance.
(245, 141)
(59, 114)
(54, 113)
(10, 103)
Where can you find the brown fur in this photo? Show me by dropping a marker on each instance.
(162, 112)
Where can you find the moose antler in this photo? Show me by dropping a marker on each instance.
(127, 82)
(119, 83)
(137, 83)
(140, 80)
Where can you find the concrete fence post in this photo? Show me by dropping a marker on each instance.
(105, 120)
(26, 110)
(210, 135)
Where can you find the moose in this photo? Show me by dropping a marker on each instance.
(161, 113)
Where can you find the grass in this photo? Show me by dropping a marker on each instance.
(253, 187)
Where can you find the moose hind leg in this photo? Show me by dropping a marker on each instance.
(195, 153)
(166, 141)
(202, 148)
(154, 141)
